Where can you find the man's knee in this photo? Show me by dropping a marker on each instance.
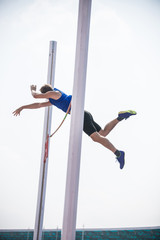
(95, 136)
(102, 133)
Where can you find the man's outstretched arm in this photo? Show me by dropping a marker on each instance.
(31, 106)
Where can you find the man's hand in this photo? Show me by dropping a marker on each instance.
(17, 111)
(33, 87)
(33, 90)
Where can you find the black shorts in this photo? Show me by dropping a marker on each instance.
(89, 125)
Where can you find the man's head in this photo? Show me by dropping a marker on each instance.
(46, 88)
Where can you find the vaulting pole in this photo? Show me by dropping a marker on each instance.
(77, 115)
(44, 157)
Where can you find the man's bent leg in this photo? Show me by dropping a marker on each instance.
(109, 126)
(121, 115)
(96, 137)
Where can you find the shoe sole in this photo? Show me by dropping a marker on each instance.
(129, 111)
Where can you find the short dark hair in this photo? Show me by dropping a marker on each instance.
(46, 88)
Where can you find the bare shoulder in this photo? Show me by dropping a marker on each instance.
(51, 94)
(55, 94)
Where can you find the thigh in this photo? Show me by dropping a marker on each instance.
(90, 126)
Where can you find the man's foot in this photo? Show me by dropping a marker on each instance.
(121, 159)
(126, 114)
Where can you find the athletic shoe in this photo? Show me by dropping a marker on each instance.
(121, 159)
(126, 114)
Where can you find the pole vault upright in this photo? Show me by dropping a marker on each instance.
(77, 115)
(44, 155)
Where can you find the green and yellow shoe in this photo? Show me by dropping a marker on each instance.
(126, 114)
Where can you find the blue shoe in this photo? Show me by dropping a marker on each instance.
(126, 114)
(121, 159)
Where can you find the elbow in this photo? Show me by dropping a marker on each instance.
(34, 95)
(39, 105)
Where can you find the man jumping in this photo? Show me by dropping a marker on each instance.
(61, 100)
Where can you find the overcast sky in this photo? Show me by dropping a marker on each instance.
(123, 73)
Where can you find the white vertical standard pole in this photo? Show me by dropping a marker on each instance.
(44, 162)
(77, 115)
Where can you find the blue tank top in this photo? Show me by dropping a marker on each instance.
(63, 102)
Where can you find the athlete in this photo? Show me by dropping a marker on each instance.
(61, 100)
